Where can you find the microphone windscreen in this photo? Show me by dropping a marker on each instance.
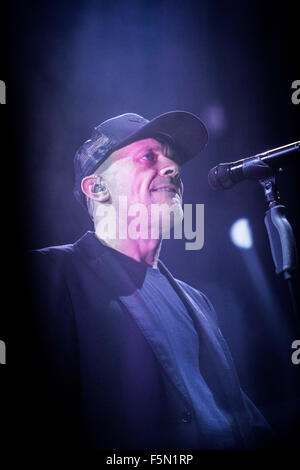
(219, 177)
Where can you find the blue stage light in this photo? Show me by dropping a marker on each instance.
(241, 234)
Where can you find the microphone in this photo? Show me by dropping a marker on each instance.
(226, 175)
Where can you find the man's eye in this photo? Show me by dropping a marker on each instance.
(150, 157)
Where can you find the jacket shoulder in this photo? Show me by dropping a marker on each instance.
(46, 267)
(47, 285)
(53, 252)
(49, 256)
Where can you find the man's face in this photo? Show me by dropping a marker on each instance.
(145, 172)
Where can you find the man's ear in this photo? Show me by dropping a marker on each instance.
(94, 188)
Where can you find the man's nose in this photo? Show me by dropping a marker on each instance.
(172, 169)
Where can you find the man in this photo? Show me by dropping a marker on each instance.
(133, 358)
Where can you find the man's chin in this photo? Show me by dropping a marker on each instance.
(165, 216)
(165, 196)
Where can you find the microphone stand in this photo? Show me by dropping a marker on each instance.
(281, 237)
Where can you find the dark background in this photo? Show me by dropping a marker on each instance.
(70, 65)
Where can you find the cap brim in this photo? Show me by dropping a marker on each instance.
(187, 132)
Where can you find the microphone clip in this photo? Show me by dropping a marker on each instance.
(270, 189)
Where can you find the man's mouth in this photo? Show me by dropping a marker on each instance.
(167, 188)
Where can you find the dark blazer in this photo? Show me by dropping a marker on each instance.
(107, 385)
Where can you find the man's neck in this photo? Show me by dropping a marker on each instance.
(140, 249)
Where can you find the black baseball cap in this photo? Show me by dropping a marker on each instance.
(184, 130)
